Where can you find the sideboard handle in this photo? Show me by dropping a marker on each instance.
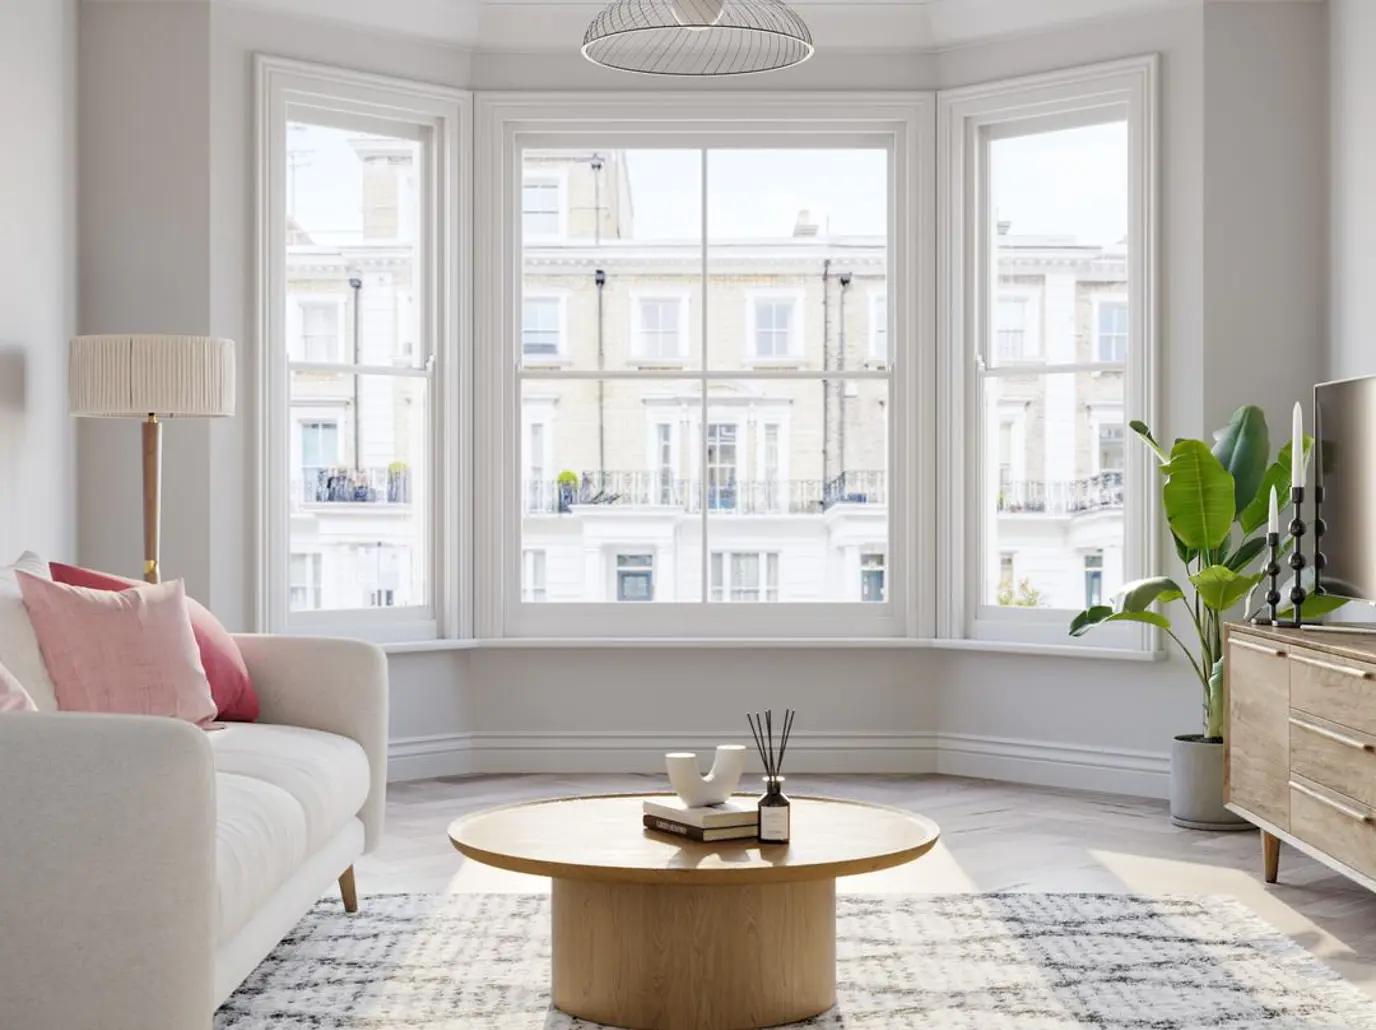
(1338, 806)
(1345, 670)
(1333, 735)
(1274, 652)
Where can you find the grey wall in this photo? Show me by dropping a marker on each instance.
(38, 190)
(1352, 126)
(1037, 718)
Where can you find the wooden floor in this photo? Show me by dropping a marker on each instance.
(995, 837)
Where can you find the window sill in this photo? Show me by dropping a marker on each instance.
(652, 364)
(789, 362)
(773, 643)
(531, 362)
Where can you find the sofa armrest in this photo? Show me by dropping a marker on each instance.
(339, 686)
(107, 873)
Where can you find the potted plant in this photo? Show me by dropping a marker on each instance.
(568, 490)
(1216, 501)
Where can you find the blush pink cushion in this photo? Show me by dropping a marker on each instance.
(131, 652)
(13, 697)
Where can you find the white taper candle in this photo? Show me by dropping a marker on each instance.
(1273, 522)
(1297, 448)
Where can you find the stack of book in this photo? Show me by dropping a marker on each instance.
(736, 819)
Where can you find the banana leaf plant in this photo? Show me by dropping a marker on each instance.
(1216, 501)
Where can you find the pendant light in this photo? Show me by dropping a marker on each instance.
(697, 37)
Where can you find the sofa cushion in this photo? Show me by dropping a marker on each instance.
(18, 643)
(260, 840)
(325, 774)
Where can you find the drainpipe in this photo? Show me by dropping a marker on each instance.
(597, 199)
(357, 286)
(845, 281)
(826, 384)
(600, 277)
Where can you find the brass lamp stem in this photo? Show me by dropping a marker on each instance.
(152, 496)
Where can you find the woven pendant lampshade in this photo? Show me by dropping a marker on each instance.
(698, 37)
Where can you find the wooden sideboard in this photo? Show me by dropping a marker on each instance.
(1301, 744)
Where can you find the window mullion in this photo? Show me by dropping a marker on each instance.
(703, 381)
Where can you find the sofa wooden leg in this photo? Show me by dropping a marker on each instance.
(348, 891)
(1270, 857)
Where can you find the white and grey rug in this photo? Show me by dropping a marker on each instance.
(953, 962)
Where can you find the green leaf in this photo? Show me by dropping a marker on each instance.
(1213, 703)
(1220, 587)
(1198, 495)
(1187, 554)
(1254, 516)
(1141, 595)
(1313, 607)
(1087, 620)
(1243, 447)
(1140, 428)
(1249, 552)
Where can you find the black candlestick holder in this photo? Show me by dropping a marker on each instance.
(1272, 571)
(1298, 562)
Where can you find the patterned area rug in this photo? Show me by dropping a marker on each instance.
(953, 962)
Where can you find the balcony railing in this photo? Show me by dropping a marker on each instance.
(354, 486)
(1069, 497)
(730, 497)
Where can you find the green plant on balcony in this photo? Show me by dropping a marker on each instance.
(1215, 500)
(1026, 595)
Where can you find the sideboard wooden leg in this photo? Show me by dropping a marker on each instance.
(1270, 856)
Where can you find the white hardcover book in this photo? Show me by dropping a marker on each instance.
(734, 812)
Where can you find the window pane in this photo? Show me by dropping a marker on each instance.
(610, 488)
(797, 247)
(612, 259)
(359, 464)
(1048, 496)
(353, 226)
(1059, 204)
(777, 484)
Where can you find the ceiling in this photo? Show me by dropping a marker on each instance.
(837, 25)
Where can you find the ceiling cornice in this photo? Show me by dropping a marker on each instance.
(526, 26)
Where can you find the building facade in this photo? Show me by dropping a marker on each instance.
(620, 482)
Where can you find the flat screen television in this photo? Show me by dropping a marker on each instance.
(1345, 427)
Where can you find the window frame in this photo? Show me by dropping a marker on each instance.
(560, 357)
(966, 118)
(442, 294)
(904, 124)
(797, 331)
(680, 295)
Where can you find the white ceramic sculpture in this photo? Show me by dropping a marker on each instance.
(697, 790)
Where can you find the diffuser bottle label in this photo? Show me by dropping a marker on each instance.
(774, 823)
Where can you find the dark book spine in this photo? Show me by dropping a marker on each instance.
(654, 822)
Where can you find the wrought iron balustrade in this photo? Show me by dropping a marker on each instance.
(344, 485)
(1065, 497)
(724, 496)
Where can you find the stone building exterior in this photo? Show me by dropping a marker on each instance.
(615, 471)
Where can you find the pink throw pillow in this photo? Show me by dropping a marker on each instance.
(132, 652)
(224, 663)
(13, 696)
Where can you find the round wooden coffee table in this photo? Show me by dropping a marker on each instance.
(654, 932)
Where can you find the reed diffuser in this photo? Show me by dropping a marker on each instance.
(775, 811)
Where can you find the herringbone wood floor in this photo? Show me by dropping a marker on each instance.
(995, 837)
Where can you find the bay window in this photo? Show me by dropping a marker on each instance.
(720, 420)
(359, 384)
(1050, 185)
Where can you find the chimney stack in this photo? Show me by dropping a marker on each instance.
(805, 226)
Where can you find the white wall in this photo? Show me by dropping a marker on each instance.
(37, 275)
(1352, 215)
(1070, 721)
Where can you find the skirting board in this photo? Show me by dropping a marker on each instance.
(1074, 766)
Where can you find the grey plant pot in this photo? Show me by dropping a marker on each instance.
(1197, 786)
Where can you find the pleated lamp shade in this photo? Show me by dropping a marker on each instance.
(136, 376)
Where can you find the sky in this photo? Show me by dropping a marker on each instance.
(1071, 182)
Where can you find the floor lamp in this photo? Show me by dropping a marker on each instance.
(150, 378)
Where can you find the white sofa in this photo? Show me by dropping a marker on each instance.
(147, 866)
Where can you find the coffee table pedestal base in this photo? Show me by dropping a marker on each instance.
(709, 957)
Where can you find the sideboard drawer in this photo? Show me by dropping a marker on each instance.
(1335, 689)
(1258, 736)
(1333, 756)
(1335, 825)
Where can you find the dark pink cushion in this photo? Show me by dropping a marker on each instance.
(225, 668)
